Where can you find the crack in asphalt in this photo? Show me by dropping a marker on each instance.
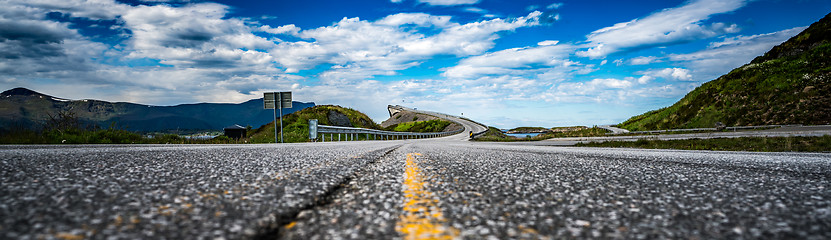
(281, 222)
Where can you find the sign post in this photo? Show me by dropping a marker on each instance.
(312, 129)
(277, 100)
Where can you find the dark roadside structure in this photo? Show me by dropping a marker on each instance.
(235, 131)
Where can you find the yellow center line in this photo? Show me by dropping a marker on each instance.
(422, 218)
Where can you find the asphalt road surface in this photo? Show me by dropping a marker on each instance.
(429, 188)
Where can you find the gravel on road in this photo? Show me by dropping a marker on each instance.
(184, 191)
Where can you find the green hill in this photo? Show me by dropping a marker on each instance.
(296, 125)
(787, 85)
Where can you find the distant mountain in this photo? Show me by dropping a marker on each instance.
(790, 84)
(21, 107)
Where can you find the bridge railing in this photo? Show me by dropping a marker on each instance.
(446, 117)
(337, 133)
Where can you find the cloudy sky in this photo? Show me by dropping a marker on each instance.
(506, 63)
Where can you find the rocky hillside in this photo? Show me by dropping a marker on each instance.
(24, 108)
(790, 84)
(400, 117)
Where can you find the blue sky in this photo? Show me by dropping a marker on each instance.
(505, 63)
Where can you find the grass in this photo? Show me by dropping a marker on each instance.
(529, 129)
(101, 136)
(752, 144)
(434, 125)
(584, 132)
(65, 128)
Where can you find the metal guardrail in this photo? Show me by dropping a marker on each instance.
(353, 134)
(711, 129)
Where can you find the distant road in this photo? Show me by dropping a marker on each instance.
(429, 188)
(614, 130)
(787, 131)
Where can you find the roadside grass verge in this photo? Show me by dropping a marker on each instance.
(751, 144)
(101, 136)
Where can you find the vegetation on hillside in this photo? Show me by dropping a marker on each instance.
(754, 144)
(579, 132)
(296, 125)
(494, 135)
(434, 125)
(529, 129)
(791, 84)
(65, 128)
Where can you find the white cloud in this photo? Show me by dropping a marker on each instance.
(34, 47)
(677, 74)
(196, 35)
(548, 43)
(289, 29)
(485, 13)
(721, 57)
(668, 26)
(596, 90)
(529, 61)
(475, 10)
(610, 83)
(643, 60)
(645, 79)
(554, 6)
(93, 9)
(359, 49)
(206, 49)
(418, 19)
